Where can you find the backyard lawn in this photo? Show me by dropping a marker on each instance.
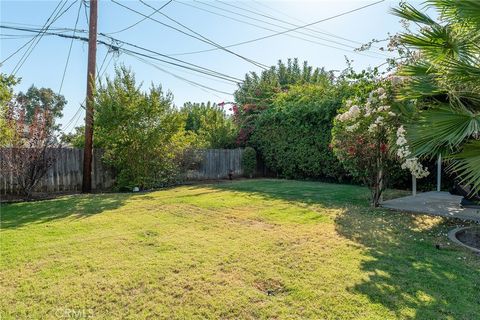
(244, 250)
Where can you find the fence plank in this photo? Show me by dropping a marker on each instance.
(66, 173)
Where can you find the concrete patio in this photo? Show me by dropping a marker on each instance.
(435, 203)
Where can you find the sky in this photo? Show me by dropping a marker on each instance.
(324, 44)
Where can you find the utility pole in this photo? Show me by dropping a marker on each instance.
(92, 56)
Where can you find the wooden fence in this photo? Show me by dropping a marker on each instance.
(66, 173)
(216, 164)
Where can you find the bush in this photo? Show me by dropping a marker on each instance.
(293, 136)
(249, 161)
(142, 133)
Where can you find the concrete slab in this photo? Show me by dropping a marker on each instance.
(434, 203)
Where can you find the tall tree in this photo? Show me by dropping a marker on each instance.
(444, 83)
(36, 100)
(211, 125)
(261, 89)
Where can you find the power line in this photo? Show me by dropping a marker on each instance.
(207, 39)
(270, 23)
(271, 8)
(20, 48)
(70, 48)
(101, 65)
(85, 6)
(203, 39)
(141, 20)
(106, 67)
(196, 84)
(116, 48)
(212, 72)
(35, 43)
(301, 26)
(76, 115)
(261, 27)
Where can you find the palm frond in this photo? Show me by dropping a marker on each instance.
(421, 80)
(467, 165)
(410, 13)
(442, 127)
(454, 10)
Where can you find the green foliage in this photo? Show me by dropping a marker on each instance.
(257, 92)
(41, 100)
(444, 80)
(293, 137)
(141, 132)
(76, 138)
(261, 89)
(210, 125)
(6, 93)
(249, 161)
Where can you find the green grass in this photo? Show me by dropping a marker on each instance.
(242, 250)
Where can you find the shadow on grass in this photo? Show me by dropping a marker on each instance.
(326, 194)
(79, 206)
(408, 274)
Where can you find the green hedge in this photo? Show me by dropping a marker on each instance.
(249, 162)
(293, 136)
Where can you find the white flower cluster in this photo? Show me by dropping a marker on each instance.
(403, 152)
(351, 114)
(353, 127)
(375, 104)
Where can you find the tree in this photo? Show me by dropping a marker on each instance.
(261, 89)
(6, 93)
(142, 133)
(210, 125)
(444, 83)
(29, 155)
(38, 100)
(368, 139)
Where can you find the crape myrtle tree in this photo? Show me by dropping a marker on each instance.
(31, 144)
(443, 81)
(368, 138)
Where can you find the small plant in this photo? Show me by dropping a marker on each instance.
(249, 161)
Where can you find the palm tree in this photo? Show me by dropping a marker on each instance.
(443, 81)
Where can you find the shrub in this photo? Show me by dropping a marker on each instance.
(249, 161)
(142, 133)
(293, 136)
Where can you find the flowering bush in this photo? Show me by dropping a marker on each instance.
(368, 137)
